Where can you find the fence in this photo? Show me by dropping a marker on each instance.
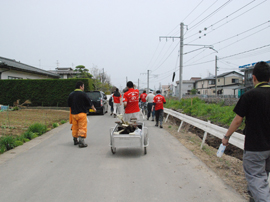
(236, 139)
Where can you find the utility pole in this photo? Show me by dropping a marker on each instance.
(216, 74)
(138, 84)
(147, 90)
(181, 59)
(181, 37)
(126, 79)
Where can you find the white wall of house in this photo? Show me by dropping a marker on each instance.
(12, 74)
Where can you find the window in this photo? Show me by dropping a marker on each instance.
(218, 80)
(12, 77)
(235, 80)
(211, 82)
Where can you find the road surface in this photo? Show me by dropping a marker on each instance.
(51, 168)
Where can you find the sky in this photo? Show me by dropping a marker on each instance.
(126, 37)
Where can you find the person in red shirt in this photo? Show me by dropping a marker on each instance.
(158, 102)
(143, 102)
(116, 102)
(131, 102)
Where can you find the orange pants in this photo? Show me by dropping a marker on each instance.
(79, 125)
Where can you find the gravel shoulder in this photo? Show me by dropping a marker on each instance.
(228, 168)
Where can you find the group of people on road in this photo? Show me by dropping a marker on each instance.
(253, 106)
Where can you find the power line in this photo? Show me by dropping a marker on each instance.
(203, 12)
(211, 14)
(227, 21)
(191, 11)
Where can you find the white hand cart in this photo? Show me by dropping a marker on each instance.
(129, 140)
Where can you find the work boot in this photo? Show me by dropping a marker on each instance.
(81, 142)
(75, 141)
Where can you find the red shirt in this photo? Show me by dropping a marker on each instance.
(159, 100)
(132, 99)
(116, 99)
(143, 96)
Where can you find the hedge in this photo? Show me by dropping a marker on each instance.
(41, 92)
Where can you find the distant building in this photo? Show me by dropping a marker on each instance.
(227, 84)
(12, 69)
(248, 70)
(187, 86)
(65, 72)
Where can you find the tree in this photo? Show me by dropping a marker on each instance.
(193, 91)
(82, 72)
(101, 80)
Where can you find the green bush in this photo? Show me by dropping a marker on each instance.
(37, 128)
(8, 142)
(18, 143)
(54, 125)
(15, 108)
(2, 149)
(63, 121)
(28, 135)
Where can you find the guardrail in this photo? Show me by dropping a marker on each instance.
(236, 139)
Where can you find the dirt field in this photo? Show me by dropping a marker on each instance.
(17, 122)
(228, 168)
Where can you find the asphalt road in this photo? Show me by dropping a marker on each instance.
(51, 168)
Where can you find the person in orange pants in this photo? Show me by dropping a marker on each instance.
(79, 104)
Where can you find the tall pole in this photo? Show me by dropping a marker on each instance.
(147, 82)
(126, 79)
(216, 74)
(138, 84)
(181, 59)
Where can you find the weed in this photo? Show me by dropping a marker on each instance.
(54, 125)
(37, 128)
(169, 126)
(63, 121)
(2, 149)
(29, 135)
(207, 150)
(8, 142)
(18, 143)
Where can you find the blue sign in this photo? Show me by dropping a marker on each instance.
(252, 64)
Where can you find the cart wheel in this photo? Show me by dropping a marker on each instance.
(145, 151)
(113, 150)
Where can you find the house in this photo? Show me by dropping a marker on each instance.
(64, 72)
(12, 69)
(167, 90)
(187, 86)
(248, 70)
(227, 84)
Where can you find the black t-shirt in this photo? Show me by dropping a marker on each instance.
(255, 106)
(79, 102)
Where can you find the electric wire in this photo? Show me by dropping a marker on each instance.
(227, 17)
(203, 12)
(192, 11)
(210, 15)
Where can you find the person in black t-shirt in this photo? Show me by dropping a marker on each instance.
(254, 105)
(79, 103)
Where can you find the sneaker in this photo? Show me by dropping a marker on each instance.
(156, 125)
(161, 126)
(152, 119)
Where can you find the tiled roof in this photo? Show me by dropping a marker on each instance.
(13, 64)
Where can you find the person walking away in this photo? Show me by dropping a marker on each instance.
(254, 106)
(158, 102)
(131, 102)
(149, 99)
(117, 102)
(111, 103)
(143, 102)
(79, 103)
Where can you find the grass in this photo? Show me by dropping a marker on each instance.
(216, 113)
